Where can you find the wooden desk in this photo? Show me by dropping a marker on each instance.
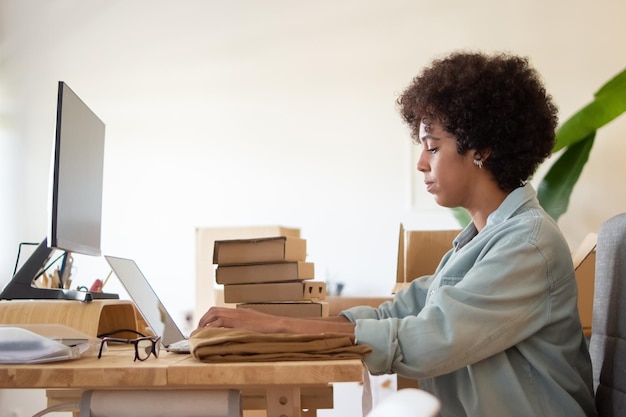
(282, 388)
(281, 383)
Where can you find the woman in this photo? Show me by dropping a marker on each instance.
(495, 330)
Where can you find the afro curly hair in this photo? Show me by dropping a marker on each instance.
(488, 102)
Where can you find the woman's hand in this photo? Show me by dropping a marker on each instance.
(242, 318)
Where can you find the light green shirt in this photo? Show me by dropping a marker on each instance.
(495, 332)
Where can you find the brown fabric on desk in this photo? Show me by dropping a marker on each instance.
(211, 344)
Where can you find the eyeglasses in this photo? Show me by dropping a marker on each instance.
(144, 346)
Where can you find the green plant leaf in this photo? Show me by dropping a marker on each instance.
(609, 103)
(614, 84)
(556, 187)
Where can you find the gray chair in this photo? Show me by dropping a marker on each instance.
(608, 338)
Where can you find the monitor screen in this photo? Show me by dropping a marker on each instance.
(76, 201)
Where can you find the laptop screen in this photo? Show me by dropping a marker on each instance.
(146, 300)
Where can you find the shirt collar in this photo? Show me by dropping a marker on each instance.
(517, 198)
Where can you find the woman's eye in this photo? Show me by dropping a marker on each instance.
(431, 150)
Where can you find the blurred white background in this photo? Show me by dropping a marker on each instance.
(242, 112)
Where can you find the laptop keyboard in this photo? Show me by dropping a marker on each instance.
(181, 346)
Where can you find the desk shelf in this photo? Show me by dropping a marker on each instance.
(93, 318)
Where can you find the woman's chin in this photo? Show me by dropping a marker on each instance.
(439, 200)
(443, 202)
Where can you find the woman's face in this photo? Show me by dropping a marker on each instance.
(447, 175)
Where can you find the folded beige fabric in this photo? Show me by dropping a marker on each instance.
(210, 344)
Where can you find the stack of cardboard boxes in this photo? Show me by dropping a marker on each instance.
(270, 275)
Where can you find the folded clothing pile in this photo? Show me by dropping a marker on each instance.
(209, 344)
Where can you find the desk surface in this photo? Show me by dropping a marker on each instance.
(117, 369)
(282, 383)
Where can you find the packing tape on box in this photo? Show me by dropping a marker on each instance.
(160, 403)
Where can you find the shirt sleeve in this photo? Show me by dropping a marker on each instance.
(484, 300)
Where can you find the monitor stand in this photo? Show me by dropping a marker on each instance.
(20, 287)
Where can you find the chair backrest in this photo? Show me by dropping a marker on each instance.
(608, 338)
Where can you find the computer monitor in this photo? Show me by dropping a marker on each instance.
(75, 203)
(76, 207)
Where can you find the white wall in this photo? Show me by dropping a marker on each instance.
(271, 112)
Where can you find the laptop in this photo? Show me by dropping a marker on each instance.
(148, 304)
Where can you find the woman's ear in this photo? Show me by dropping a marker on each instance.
(482, 155)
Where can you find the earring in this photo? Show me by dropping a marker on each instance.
(478, 163)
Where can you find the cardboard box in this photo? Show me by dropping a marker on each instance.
(273, 292)
(257, 273)
(207, 294)
(584, 258)
(419, 253)
(290, 309)
(259, 250)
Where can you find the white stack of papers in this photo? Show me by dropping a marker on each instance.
(18, 346)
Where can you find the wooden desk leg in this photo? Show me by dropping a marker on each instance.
(283, 401)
